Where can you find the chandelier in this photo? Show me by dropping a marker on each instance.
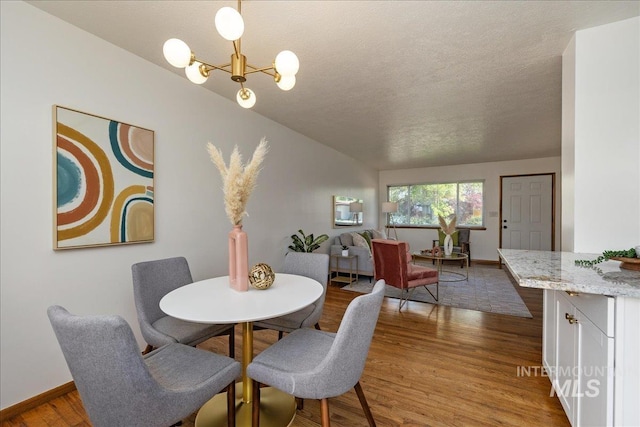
(230, 25)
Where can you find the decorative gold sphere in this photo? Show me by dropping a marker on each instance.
(261, 276)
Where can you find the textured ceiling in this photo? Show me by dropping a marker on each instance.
(394, 84)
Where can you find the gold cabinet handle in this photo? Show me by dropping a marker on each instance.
(571, 318)
(572, 294)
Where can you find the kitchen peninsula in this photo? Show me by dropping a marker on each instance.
(591, 333)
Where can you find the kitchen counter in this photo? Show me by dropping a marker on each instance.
(558, 271)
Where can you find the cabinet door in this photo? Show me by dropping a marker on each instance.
(566, 385)
(549, 333)
(595, 362)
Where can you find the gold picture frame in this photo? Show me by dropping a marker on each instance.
(103, 181)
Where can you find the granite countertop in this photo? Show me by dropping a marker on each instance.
(557, 270)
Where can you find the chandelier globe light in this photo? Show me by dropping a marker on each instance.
(229, 23)
(246, 98)
(230, 26)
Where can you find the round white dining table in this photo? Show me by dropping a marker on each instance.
(214, 301)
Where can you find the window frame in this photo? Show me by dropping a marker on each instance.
(481, 226)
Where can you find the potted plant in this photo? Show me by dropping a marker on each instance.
(306, 243)
(345, 250)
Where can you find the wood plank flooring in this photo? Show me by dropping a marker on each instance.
(428, 366)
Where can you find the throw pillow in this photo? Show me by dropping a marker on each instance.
(360, 241)
(378, 234)
(367, 237)
(454, 236)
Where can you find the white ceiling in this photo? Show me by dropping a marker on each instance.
(395, 84)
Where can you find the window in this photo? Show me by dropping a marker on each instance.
(420, 204)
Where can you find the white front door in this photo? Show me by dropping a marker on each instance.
(527, 212)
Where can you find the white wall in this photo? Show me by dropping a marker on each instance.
(568, 144)
(601, 155)
(46, 61)
(601, 138)
(484, 243)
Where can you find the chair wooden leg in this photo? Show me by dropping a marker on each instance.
(232, 343)
(365, 405)
(299, 403)
(318, 326)
(231, 404)
(148, 349)
(280, 335)
(255, 405)
(324, 408)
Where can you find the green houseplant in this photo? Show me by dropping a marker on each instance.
(306, 243)
(607, 255)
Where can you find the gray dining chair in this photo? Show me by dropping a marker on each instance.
(151, 281)
(312, 364)
(120, 387)
(314, 266)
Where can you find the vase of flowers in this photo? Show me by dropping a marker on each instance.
(238, 181)
(448, 230)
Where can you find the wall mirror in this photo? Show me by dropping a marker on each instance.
(347, 211)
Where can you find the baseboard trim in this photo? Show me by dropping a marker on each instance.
(485, 262)
(35, 401)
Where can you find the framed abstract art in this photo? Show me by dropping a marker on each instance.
(103, 183)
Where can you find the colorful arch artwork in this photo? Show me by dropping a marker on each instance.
(103, 185)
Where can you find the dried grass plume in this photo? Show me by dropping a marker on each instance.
(447, 228)
(238, 181)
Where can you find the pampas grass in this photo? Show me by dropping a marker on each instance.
(447, 228)
(238, 181)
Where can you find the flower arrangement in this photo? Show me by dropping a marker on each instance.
(447, 229)
(238, 181)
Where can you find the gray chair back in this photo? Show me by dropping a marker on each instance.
(314, 266)
(151, 281)
(463, 234)
(342, 367)
(121, 388)
(107, 367)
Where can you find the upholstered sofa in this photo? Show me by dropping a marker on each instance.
(365, 260)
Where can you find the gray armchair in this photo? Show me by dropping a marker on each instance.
(312, 364)
(120, 387)
(463, 246)
(151, 281)
(314, 266)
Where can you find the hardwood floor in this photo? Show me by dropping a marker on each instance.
(428, 366)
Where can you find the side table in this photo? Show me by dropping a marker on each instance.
(353, 277)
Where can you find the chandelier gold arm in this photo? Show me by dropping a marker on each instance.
(236, 47)
(206, 68)
(265, 70)
(175, 52)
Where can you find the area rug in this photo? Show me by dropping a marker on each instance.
(488, 289)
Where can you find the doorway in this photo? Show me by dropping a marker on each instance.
(527, 212)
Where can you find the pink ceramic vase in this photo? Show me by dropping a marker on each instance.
(238, 259)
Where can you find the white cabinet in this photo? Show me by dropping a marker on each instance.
(578, 353)
(549, 330)
(595, 406)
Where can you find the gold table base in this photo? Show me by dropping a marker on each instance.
(276, 409)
